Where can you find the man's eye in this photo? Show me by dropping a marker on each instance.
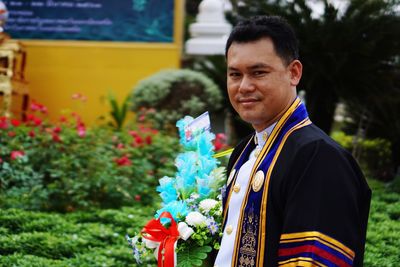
(234, 74)
(259, 73)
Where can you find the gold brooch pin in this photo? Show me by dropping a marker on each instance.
(258, 181)
(265, 136)
(236, 188)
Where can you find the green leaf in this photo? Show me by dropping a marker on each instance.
(192, 256)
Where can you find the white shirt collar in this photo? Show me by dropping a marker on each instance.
(261, 137)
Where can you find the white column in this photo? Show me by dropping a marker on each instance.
(210, 31)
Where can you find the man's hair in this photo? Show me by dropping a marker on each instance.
(273, 27)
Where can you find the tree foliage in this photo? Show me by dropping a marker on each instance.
(347, 54)
(350, 55)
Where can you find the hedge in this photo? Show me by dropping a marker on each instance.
(96, 238)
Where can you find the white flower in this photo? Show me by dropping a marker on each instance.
(195, 218)
(149, 243)
(207, 204)
(194, 196)
(184, 230)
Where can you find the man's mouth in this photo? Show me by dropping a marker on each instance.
(247, 100)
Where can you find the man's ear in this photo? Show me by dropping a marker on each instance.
(296, 70)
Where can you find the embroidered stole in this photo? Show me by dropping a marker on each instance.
(250, 237)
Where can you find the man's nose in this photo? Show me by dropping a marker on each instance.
(246, 85)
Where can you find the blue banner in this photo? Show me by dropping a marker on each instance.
(93, 20)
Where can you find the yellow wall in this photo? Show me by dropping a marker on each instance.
(55, 70)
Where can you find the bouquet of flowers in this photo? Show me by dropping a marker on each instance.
(188, 226)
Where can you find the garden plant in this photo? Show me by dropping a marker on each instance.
(70, 193)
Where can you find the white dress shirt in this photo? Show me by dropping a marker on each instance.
(224, 257)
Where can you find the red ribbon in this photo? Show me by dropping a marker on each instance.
(156, 232)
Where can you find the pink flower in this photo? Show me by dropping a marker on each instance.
(221, 136)
(16, 154)
(80, 127)
(220, 142)
(138, 140)
(11, 133)
(79, 96)
(3, 123)
(123, 161)
(76, 96)
(37, 121)
(63, 119)
(120, 146)
(35, 106)
(133, 133)
(56, 138)
(149, 140)
(81, 131)
(56, 130)
(32, 119)
(15, 122)
(142, 118)
(31, 133)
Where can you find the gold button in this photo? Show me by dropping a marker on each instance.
(257, 152)
(265, 136)
(229, 229)
(236, 188)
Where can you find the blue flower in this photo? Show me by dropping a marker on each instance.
(212, 226)
(178, 209)
(205, 145)
(167, 189)
(135, 250)
(207, 164)
(187, 168)
(203, 186)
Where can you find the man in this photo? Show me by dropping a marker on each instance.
(293, 196)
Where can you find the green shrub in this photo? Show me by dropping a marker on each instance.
(96, 238)
(84, 238)
(22, 260)
(64, 166)
(374, 157)
(170, 95)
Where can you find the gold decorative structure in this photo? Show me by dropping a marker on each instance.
(12, 80)
(12, 66)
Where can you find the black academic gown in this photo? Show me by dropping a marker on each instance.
(317, 206)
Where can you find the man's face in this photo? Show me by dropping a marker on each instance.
(260, 86)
